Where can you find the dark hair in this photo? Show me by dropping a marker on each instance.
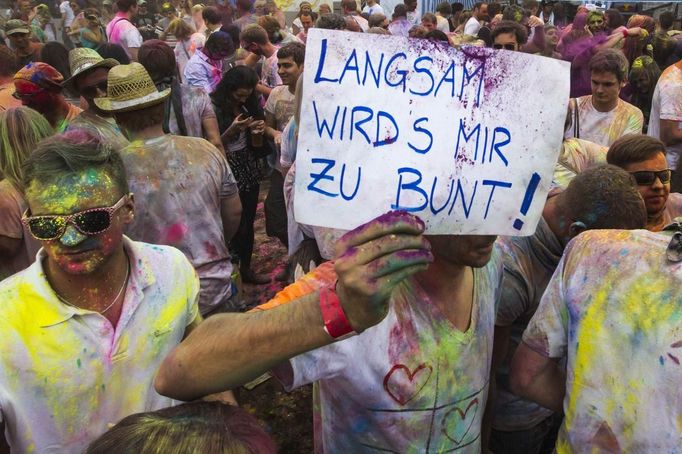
(254, 33)
(56, 55)
(494, 9)
(437, 35)
(349, 5)
(633, 148)
(196, 427)
(610, 61)
(444, 8)
(222, 98)
(605, 197)
(115, 51)
(125, 5)
(296, 51)
(400, 10)
(272, 27)
(514, 13)
(8, 62)
(614, 18)
(666, 19)
(477, 5)
(219, 42)
(234, 32)
(71, 152)
(332, 21)
(158, 59)
(211, 15)
(457, 7)
(137, 120)
(244, 5)
(507, 26)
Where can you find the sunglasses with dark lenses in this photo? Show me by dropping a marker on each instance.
(504, 46)
(648, 177)
(91, 91)
(87, 222)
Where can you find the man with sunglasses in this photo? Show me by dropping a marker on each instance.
(644, 157)
(19, 34)
(509, 35)
(39, 86)
(86, 326)
(89, 79)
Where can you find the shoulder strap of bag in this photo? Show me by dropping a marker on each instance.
(576, 118)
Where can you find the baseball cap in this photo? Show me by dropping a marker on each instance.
(16, 26)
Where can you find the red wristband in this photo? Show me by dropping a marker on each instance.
(335, 322)
(625, 33)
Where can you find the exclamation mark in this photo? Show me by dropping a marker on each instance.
(527, 199)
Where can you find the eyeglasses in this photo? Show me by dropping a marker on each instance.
(504, 46)
(87, 222)
(648, 177)
(91, 91)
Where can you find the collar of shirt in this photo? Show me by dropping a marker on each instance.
(51, 311)
(205, 58)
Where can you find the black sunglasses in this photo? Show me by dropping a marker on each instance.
(648, 177)
(88, 222)
(91, 90)
(504, 46)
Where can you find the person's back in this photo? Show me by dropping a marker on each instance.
(178, 204)
(613, 309)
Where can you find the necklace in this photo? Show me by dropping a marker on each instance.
(118, 295)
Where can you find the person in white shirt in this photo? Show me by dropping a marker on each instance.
(122, 31)
(443, 12)
(413, 16)
(603, 117)
(372, 7)
(665, 120)
(478, 15)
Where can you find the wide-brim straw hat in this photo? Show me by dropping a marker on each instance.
(82, 59)
(129, 87)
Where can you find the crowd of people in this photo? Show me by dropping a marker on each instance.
(134, 140)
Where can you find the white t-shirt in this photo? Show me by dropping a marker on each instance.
(472, 26)
(121, 31)
(604, 128)
(442, 24)
(376, 9)
(667, 105)
(414, 17)
(412, 383)
(67, 13)
(613, 309)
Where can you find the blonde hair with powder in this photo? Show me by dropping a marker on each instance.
(21, 128)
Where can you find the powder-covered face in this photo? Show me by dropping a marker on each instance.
(466, 250)
(74, 252)
(655, 195)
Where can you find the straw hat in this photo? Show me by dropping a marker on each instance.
(129, 87)
(82, 59)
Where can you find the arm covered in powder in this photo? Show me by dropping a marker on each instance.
(228, 350)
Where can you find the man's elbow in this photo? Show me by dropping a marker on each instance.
(169, 381)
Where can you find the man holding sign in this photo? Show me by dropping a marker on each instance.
(419, 310)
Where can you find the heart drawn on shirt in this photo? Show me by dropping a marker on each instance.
(403, 384)
(457, 423)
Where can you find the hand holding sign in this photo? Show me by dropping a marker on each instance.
(465, 139)
(373, 259)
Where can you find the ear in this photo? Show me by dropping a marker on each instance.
(128, 211)
(576, 228)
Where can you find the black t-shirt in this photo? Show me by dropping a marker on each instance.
(146, 24)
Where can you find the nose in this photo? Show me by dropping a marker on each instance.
(71, 237)
(657, 184)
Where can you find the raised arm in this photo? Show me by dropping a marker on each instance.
(228, 350)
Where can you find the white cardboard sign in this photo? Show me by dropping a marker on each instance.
(465, 139)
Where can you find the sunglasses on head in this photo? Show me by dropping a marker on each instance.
(504, 46)
(87, 222)
(648, 177)
(91, 90)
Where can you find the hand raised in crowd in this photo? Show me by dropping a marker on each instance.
(373, 259)
(239, 124)
(257, 126)
(534, 21)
